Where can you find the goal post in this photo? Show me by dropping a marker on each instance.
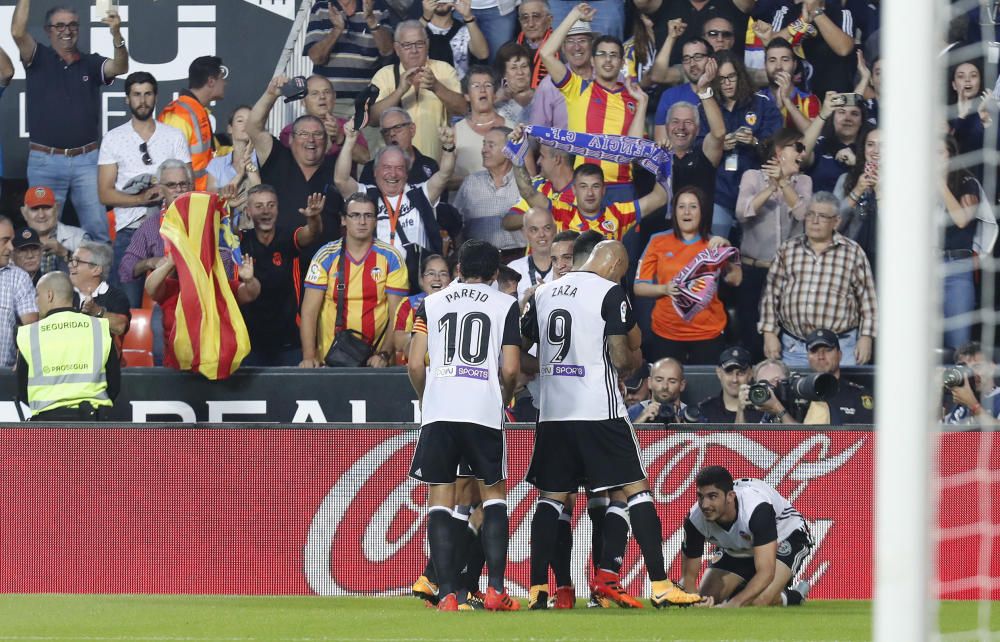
(909, 326)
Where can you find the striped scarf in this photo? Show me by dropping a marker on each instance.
(699, 280)
(209, 336)
(606, 147)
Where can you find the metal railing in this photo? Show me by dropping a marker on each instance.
(292, 63)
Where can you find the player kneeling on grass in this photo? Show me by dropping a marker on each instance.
(763, 539)
(470, 333)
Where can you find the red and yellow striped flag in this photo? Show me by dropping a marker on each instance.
(209, 336)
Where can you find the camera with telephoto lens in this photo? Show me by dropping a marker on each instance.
(668, 415)
(797, 388)
(955, 376)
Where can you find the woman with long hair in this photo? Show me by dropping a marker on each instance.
(700, 340)
(771, 207)
(859, 192)
(640, 50)
(750, 118)
(833, 139)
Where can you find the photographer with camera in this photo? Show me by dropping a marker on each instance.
(850, 402)
(733, 371)
(974, 393)
(666, 383)
(765, 394)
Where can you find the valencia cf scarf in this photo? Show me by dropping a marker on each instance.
(605, 147)
(699, 280)
(209, 336)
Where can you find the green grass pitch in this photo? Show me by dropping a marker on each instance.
(196, 618)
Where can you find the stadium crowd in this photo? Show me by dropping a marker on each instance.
(764, 115)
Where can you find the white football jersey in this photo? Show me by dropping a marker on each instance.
(738, 541)
(530, 275)
(467, 324)
(570, 319)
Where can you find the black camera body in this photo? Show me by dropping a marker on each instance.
(687, 415)
(796, 389)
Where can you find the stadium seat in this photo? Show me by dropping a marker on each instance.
(137, 348)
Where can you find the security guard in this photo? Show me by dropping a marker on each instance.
(67, 368)
(853, 403)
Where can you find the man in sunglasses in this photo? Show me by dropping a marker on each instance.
(63, 146)
(126, 168)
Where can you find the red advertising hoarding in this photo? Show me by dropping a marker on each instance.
(274, 511)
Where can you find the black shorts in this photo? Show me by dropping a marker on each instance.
(604, 453)
(792, 552)
(444, 444)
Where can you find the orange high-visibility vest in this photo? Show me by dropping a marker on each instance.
(189, 116)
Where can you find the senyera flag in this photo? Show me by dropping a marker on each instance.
(209, 336)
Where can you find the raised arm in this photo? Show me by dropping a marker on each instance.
(342, 178)
(313, 229)
(839, 41)
(653, 201)
(117, 66)
(478, 46)
(437, 183)
(661, 71)
(811, 135)
(380, 33)
(549, 51)
(262, 140)
(19, 30)
(637, 128)
(712, 146)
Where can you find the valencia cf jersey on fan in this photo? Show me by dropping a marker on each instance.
(613, 222)
(746, 532)
(571, 319)
(466, 324)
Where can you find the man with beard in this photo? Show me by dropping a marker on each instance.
(696, 55)
(666, 383)
(798, 107)
(135, 149)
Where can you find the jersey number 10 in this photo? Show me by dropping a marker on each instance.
(471, 336)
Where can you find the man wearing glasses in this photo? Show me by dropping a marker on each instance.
(427, 89)
(130, 155)
(819, 279)
(399, 129)
(63, 146)
(89, 270)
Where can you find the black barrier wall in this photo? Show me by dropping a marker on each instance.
(291, 395)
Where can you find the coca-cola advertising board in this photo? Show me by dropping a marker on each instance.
(330, 510)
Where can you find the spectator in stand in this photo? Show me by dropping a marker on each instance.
(189, 112)
(870, 86)
(799, 108)
(859, 191)
(507, 280)
(453, 41)
(516, 96)
(320, 100)
(602, 105)
(236, 172)
(750, 118)
(819, 279)
(64, 117)
(6, 74)
(398, 129)
(697, 54)
(299, 171)
(719, 32)
(126, 168)
(470, 132)
(699, 341)
(428, 89)
(637, 386)
(535, 267)
(17, 296)
(345, 45)
(557, 170)
(374, 284)
(833, 145)
(771, 207)
(271, 317)
(409, 218)
(733, 371)
(434, 276)
(497, 20)
(773, 371)
(536, 27)
(487, 195)
(852, 403)
(89, 270)
(28, 253)
(609, 22)
(640, 50)
(977, 400)
(823, 33)
(694, 14)
(666, 383)
(59, 240)
(961, 214)
(548, 109)
(971, 107)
